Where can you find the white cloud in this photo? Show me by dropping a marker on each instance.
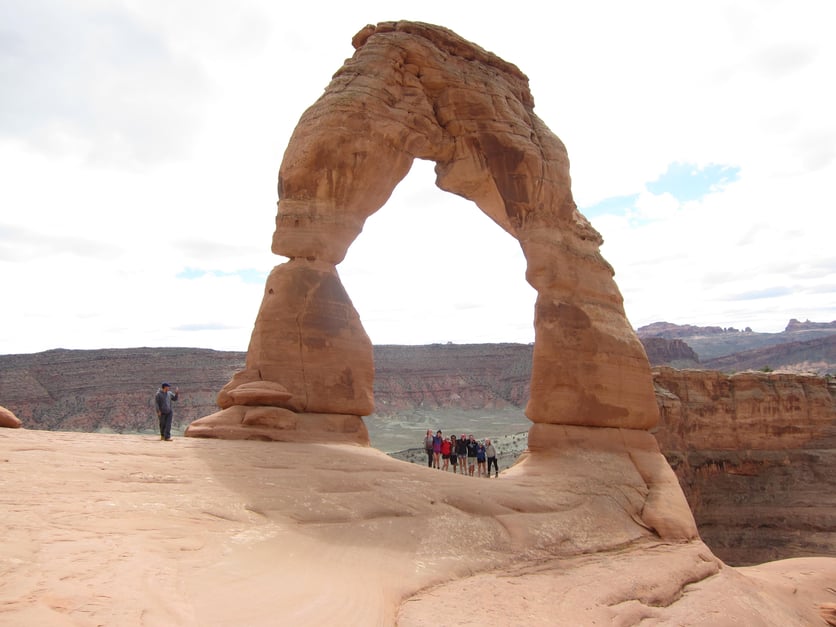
(139, 139)
(655, 206)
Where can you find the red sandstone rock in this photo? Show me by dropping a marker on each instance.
(308, 354)
(279, 425)
(410, 91)
(709, 410)
(665, 509)
(256, 393)
(8, 419)
(754, 453)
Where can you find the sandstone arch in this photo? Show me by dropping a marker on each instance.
(410, 91)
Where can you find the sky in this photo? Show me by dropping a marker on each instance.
(140, 142)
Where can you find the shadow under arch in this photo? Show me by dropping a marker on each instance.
(416, 91)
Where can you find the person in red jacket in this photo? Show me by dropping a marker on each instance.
(445, 454)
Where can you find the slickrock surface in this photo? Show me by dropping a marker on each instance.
(127, 530)
(418, 91)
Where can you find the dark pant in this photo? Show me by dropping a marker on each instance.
(165, 425)
(429, 458)
(492, 460)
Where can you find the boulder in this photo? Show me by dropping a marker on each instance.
(8, 419)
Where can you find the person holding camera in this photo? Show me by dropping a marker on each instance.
(165, 411)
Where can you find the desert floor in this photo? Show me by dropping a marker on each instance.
(103, 529)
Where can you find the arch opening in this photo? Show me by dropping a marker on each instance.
(431, 276)
(430, 267)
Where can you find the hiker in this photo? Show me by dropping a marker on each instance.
(480, 460)
(471, 455)
(445, 454)
(428, 445)
(437, 450)
(162, 402)
(461, 453)
(490, 453)
(454, 455)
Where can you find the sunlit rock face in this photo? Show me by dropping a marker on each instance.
(8, 419)
(309, 368)
(410, 91)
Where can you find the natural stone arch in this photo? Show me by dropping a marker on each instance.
(410, 91)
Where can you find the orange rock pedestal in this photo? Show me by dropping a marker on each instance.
(309, 367)
(279, 425)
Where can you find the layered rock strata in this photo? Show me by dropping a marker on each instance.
(661, 350)
(410, 91)
(755, 454)
(112, 390)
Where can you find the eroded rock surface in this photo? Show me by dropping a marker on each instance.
(309, 368)
(8, 419)
(410, 91)
(203, 532)
(755, 454)
(661, 350)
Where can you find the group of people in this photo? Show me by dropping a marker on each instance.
(465, 454)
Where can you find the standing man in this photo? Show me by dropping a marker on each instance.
(490, 451)
(428, 445)
(472, 447)
(461, 445)
(162, 402)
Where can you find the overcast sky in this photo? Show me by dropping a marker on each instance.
(140, 143)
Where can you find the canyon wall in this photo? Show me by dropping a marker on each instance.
(755, 454)
(111, 389)
(674, 352)
(469, 376)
